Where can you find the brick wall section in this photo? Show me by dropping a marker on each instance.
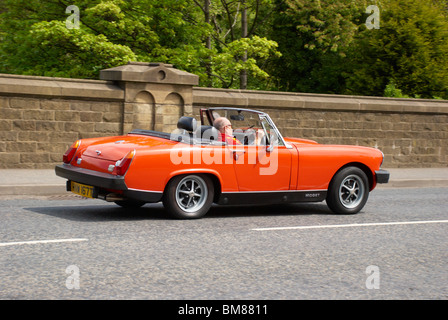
(41, 117)
(407, 140)
(410, 132)
(35, 132)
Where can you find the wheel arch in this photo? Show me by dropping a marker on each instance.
(214, 177)
(361, 166)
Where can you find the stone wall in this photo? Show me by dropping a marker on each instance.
(41, 117)
(34, 132)
(410, 132)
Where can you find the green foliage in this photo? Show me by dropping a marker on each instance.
(410, 47)
(113, 32)
(392, 91)
(318, 46)
(232, 49)
(55, 50)
(325, 25)
(313, 38)
(258, 49)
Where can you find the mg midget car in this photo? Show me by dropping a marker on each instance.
(192, 167)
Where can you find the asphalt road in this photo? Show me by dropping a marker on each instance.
(69, 248)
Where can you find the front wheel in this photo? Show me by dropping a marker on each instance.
(188, 196)
(348, 191)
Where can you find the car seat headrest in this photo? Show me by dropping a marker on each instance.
(187, 123)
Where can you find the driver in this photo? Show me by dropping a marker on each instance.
(224, 127)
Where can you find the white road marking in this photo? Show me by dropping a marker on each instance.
(350, 225)
(4, 244)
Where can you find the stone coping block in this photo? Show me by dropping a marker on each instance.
(269, 99)
(19, 85)
(149, 73)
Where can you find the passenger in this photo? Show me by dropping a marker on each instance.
(224, 127)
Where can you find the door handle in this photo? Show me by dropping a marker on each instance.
(236, 155)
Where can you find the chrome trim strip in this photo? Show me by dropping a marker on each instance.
(229, 192)
(287, 145)
(140, 190)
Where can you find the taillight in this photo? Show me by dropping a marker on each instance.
(68, 155)
(123, 165)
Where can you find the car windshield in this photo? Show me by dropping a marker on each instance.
(249, 127)
(238, 118)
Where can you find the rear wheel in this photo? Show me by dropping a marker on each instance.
(188, 196)
(348, 191)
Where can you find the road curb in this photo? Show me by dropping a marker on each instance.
(32, 190)
(414, 184)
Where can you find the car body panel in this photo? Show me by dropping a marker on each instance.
(152, 169)
(319, 163)
(263, 171)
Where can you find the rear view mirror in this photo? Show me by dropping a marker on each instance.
(238, 117)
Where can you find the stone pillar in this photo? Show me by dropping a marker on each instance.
(156, 94)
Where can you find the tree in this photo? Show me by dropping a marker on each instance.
(320, 46)
(409, 51)
(237, 47)
(327, 48)
(36, 40)
(111, 32)
(314, 37)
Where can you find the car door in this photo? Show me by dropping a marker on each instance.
(263, 167)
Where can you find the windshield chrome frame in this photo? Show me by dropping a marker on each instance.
(260, 115)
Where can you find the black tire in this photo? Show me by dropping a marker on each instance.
(131, 204)
(348, 191)
(188, 196)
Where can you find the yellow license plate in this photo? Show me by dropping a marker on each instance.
(82, 190)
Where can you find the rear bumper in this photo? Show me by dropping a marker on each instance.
(105, 181)
(382, 176)
(91, 178)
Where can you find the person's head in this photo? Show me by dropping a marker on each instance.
(223, 125)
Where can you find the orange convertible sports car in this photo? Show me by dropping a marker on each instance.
(197, 165)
